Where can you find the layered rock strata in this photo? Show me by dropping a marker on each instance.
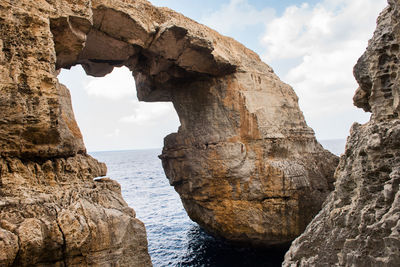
(52, 212)
(359, 224)
(246, 165)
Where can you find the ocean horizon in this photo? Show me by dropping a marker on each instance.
(336, 146)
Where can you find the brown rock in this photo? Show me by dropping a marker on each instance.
(245, 163)
(359, 223)
(9, 247)
(52, 212)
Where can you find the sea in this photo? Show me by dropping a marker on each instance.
(173, 239)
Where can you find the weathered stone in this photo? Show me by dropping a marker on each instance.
(53, 212)
(9, 247)
(359, 224)
(245, 163)
(247, 176)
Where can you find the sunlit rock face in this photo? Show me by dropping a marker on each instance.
(246, 165)
(359, 224)
(52, 213)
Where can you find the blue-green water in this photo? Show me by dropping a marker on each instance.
(174, 240)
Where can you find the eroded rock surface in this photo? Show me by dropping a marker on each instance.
(246, 165)
(52, 213)
(359, 224)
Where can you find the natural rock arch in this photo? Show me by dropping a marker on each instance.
(244, 162)
(246, 165)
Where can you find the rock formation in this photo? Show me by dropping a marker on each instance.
(359, 224)
(52, 213)
(244, 162)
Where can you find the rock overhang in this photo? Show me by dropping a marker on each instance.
(160, 55)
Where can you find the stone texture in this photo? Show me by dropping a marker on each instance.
(52, 212)
(245, 163)
(359, 224)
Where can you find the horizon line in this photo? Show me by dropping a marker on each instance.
(154, 148)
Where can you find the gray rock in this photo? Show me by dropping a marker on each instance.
(359, 224)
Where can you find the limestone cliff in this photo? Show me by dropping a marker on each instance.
(359, 224)
(246, 165)
(52, 213)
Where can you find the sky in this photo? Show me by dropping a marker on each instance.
(311, 44)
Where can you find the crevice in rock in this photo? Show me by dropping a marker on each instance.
(1, 175)
(64, 244)
(110, 62)
(154, 37)
(15, 261)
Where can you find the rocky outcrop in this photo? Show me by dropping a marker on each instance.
(52, 212)
(245, 163)
(359, 223)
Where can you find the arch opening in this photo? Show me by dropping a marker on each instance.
(104, 105)
(110, 116)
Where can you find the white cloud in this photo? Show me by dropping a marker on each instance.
(150, 113)
(322, 43)
(115, 133)
(237, 16)
(328, 25)
(315, 45)
(117, 85)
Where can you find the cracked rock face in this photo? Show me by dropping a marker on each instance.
(246, 165)
(359, 224)
(53, 213)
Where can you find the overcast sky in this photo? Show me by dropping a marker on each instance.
(312, 45)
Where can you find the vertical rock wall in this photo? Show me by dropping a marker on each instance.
(359, 224)
(52, 213)
(244, 162)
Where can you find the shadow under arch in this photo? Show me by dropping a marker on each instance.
(206, 250)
